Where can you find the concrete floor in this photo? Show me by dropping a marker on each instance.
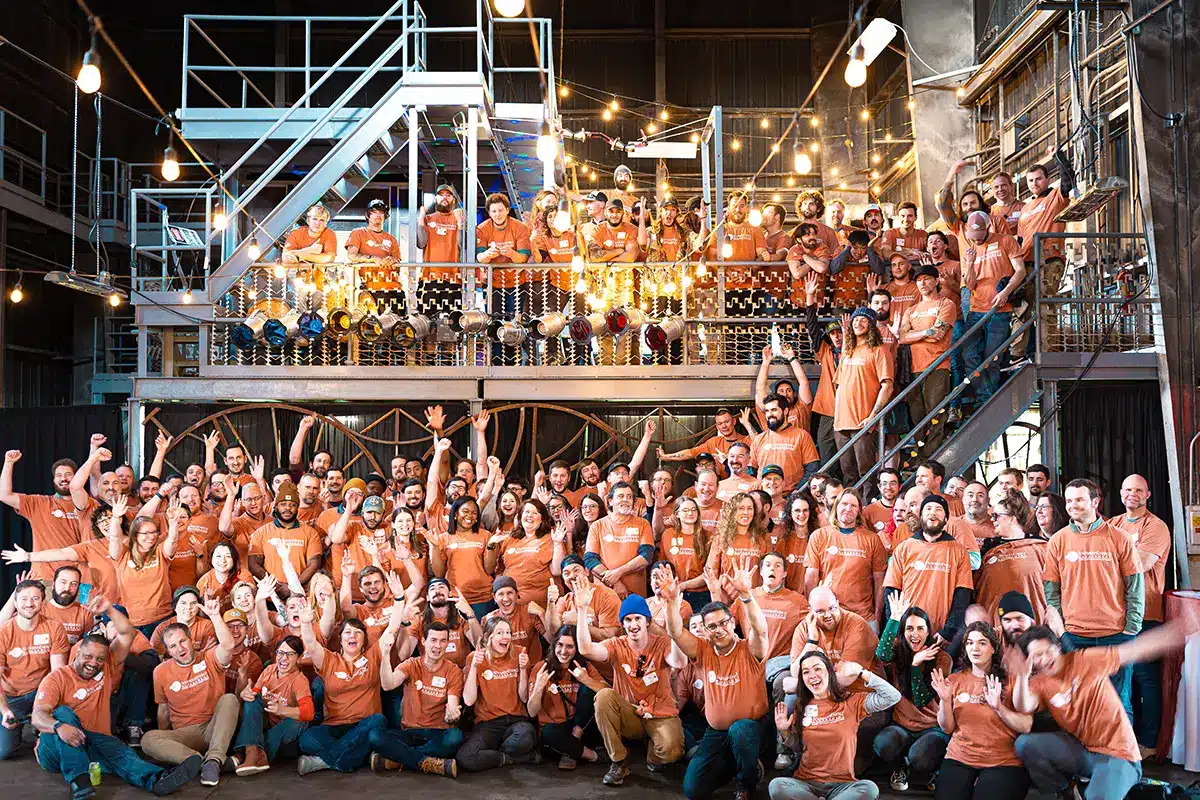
(22, 777)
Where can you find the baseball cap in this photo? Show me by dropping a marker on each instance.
(872, 207)
(926, 271)
(616, 203)
(184, 590)
(445, 187)
(377, 205)
(669, 202)
(771, 469)
(978, 221)
(596, 195)
(373, 503)
(235, 615)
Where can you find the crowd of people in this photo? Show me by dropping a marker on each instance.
(973, 639)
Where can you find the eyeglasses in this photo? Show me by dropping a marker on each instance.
(716, 626)
(284, 654)
(998, 514)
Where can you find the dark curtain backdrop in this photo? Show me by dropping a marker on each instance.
(44, 435)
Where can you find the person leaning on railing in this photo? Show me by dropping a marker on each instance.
(315, 243)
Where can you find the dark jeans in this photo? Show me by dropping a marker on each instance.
(491, 741)
(981, 346)
(114, 756)
(871, 725)
(722, 755)
(343, 747)
(957, 370)
(694, 725)
(411, 746)
(826, 441)
(957, 781)
(132, 699)
(21, 706)
(1122, 679)
(558, 736)
(393, 706)
(1053, 759)
(1146, 696)
(250, 732)
(928, 396)
(922, 751)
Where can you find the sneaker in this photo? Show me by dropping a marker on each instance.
(381, 764)
(1016, 365)
(616, 775)
(440, 766)
(656, 768)
(174, 779)
(900, 781)
(741, 794)
(308, 764)
(566, 762)
(133, 736)
(231, 764)
(82, 789)
(255, 761)
(210, 773)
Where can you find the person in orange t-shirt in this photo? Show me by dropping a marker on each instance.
(497, 686)
(975, 708)
(620, 547)
(280, 698)
(438, 236)
(906, 239)
(931, 570)
(744, 243)
(377, 253)
(285, 537)
(992, 269)
(186, 602)
(850, 557)
(808, 255)
(315, 243)
(810, 208)
(32, 645)
(925, 328)
(554, 699)
(501, 241)
(54, 519)
(430, 735)
(862, 386)
(786, 445)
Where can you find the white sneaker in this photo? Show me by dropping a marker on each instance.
(900, 780)
(309, 764)
(783, 761)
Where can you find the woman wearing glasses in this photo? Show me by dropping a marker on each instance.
(284, 694)
(1051, 514)
(1012, 560)
(143, 568)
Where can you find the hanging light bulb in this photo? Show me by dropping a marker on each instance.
(547, 146)
(791, 181)
(959, 92)
(580, 286)
(509, 8)
(88, 80)
(695, 138)
(775, 198)
(887, 137)
(17, 295)
(606, 115)
(804, 164)
(814, 121)
(564, 91)
(856, 68)
(170, 164)
(876, 158)
(219, 220)
(279, 271)
(912, 104)
(254, 251)
(663, 115)
(749, 186)
(614, 105)
(833, 171)
(568, 158)
(865, 114)
(651, 127)
(593, 176)
(764, 123)
(815, 147)
(775, 147)
(701, 268)
(577, 263)
(842, 185)
(562, 217)
(665, 186)
(736, 144)
(874, 174)
(114, 300)
(187, 297)
(754, 217)
(727, 247)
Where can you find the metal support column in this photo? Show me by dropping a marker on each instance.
(719, 158)
(1049, 433)
(413, 185)
(471, 183)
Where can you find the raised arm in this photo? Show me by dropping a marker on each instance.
(639, 455)
(225, 643)
(296, 451)
(762, 379)
(79, 482)
(756, 622)
(312, 648)
(162, 444)
(262, 617)
(433, 485)
(593, 651)
(7, 496)
(945, 195)
(688, 644)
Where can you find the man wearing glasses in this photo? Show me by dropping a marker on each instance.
(735, 694)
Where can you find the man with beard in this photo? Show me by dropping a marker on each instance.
(438, 237)
(620, 546)
(1038, 216)
(879, 300)
(879, 512)
(238, 530)
(357, 538)
(1037, 481)
(725, 437)
(245, 665)
(377, 608)
(314, 242)
(789, 446)
(309, 489)
(1017, 615)
(334, 485)
(973, 525)
(902, 288)
(745, 244)
(740, 480)
(412, 496)
(809, 255)
(796, 391)
(810, 207)
(933, 571)
(925, 327)
(55, 520)
(72, 714)
(321, 460)
(32, 645)
(64, 607)
(905, 239)
(236, 463)
(850, 268)
(706, 498)
(437, 500)
(1006, 211)
(955, 215)
(215, 498)
(589, 473)
(668, 241)
(125, 475)
(622, 180)
(303, 542)
(930, 474)
(444, 609)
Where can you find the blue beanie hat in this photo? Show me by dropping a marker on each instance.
(634, 604)
(864, 312)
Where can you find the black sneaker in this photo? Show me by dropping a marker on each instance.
(175, 778)
(616, 775)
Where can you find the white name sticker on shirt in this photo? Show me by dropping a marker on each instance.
(451, 647)
(362, 662)
(438, 681)
(41, 638)
(632, 529)
(650, 678)
(201, 667)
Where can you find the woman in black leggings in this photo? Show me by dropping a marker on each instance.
(497, 686)
(976, 710)
(563, 697)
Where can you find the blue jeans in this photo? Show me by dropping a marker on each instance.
(22, 707)
(722, 755)
(957, 370)
(412, 745)
(1053, 759)
(250, 733)
(343, 747)
(1147, 686)
(1122, 679)
(393, 706)
(114, 756)
(981, 345)
(133, 695)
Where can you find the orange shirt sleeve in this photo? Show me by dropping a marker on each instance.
(521, 242)
(313, 546)
(256, 544)
(878, 555)
(883, 364)
(962, 575)
(593, 538)
(59, 644)
(1128, 558)
(295, 238)
(328, 241)
(354, 239)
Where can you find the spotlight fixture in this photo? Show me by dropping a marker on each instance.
(101, 285)
(512, 333)
(584, 326)
(343, 322)
(660, 334)
(468, 320)
(547, 326)
(312, 325)
(623, 320)
(250, 331)
(413, 329)
(277, 332)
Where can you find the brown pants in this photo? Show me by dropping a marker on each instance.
(210, 740)
(859, 459)
(931, 393)
(617, 719)
(1050, 333)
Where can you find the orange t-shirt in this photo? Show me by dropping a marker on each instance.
(560, 691)
(1090, 569)
(378, 244)
(718, 445)
(25, 655)
(1037, 216)
(145, 592)
(617, 541)
(356, 534)
(290, 687)
(375, 619)
(783, 611)
(823, 400)
(680, 549)
(790, 448)
(923, 315)
(830, 735)
(559, 249)
(775, 277)
(851, 640)
(207, 586)
(612, 241)
(103, 569)
(798, 414)
(1015, 565)
(56, 524)
(709, 517)
(203, 528)
(746, 240)
(498, 681)
(604, 612)
(829, 236)
(792, 549)
(904, 296)
(527, 561)
(203, 634)
(968, 534)
(75, 619)
(526, 629)
(950, 284)
(905, 243)
(644, 677)
(190, 692)
(302, 237)
(993, 261)
(670, 242)
(442, 246)
(1150, 535)
(981, 739)
(242, 657)
(1082, 700)
(463, 556)
(512, 238)
(735, 484)
(1004, 218)
(241, 529)
(851, 561)
(927, 573)
(860, 377)
(877, 515)
(426, 691)
(304, 540)
(325, 520)
(351, 687)
(906, 714)
(458, 647)
(740, 546)
(88, 698)
(735, 685)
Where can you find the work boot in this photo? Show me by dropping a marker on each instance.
(616, 775)
(440, 766)
(256, 761)
(381, 764)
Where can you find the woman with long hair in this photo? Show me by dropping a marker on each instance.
(408, 553)
(508, 509)
(143, 567)
(790, 537)
(976, 710)
(1051, 514)
(497, 687)
(458, 555)
(531, 555)
(862, 387)
(741, 533)
(685, 545)
(225, 574)
(825, 733)
(241, 597)
(276, 708)
(1014, 558)
(910, 653)
(562, 697)
(591, 509)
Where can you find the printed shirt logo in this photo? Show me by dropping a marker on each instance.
(1089, 555)
(930, 566)
(1063, 698)
(847, 552)
(723, 680)
(829, 719)
(360, 669)
(1018, 555)
(963, 698)
(499, 675)
(199, 678)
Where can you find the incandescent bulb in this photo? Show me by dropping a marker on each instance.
(755, 217)
(114, 300)
(219, 220)
(509, 8)
(88, 79)
(254, 251)
(856, 68)
(16, 295)
(170, 165)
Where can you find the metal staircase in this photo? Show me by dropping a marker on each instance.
(978, 431)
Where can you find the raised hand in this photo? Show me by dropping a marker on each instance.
(848, 672)
(306, 614)
(540, 679)
(98, 604)
(307, 422)
(211, 608)
(248, 694)
(477, 658)
(435, 418)
(460, 602)
(95, 441)
(552, 593)
(995, 692)
(559, 534)
(744, 418)
(211, 440)
(900, 605)
(928, 654)
(768, 354)
(12, 456)
(787, 351)
(103, 454)
(283, 549)
(783, 720)
(542, 494)
(480, 421)
(584, 591)
(812, 285)
(522, 661)
(873, 282)
(266, 588)
(162, 442)
(18, 555)
(651, 428)
(120, 505)
(258, 468)
(941, 685)
(441, 445)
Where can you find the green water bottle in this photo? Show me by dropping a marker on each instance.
(94, 772)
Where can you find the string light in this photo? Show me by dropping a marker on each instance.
(775, 147)
(815, 147)
(764, 123)
(874, 174)
(865, 115)
(695, 138)
(16, 295)
(736, 144)
(833, 171)
(959, 93)
(114, 300)
(219, 220)
(187, 297)
(749, 186)
(606, 115)
(814, 121)
(651, 127)
(254, 251)
(775, 198)
(887, 137)
(842, 185)
(170, 164)
(754, 217)
(564, 91)
(912, 104)
(280, 271)
(568, 158)
(614, 105)
(509, 8)
(876, 158)
(663, 115)
(593, 176)
(665, 186)
(791, 181)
